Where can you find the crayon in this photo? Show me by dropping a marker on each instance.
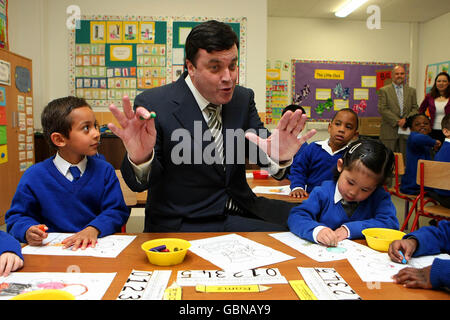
(403, 257)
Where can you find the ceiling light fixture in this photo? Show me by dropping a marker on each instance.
(348, 8)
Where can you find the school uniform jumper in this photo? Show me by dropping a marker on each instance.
(9, 244)
(45, 196)
(418, 147)
(320, 209)
(312, 165)
(434, 240)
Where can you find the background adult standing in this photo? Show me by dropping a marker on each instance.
(436, 104)
(396, 102)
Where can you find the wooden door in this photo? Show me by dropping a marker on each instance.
(16, 112)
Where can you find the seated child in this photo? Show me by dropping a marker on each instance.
(314, 163)
(356, 200)
(74, 191)
(443, 196)
(418, 146)
(424, 241)
(11, 257)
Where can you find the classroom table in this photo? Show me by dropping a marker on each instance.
(271, 182)
(268, 182)
(133, 257)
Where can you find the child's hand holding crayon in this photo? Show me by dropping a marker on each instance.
(36, 234)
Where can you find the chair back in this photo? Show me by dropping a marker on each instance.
(399, 163)
(433, 174)
(128, 195)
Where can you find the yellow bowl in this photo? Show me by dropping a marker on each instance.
(45, 294)
(166, 258)
(380, 238)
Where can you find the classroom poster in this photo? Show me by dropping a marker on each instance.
(4, 24)
(431, 71)
(113, 56)
(328, 86)
(276, 99)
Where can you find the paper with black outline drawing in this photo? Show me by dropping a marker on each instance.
(320, 252)
(236, 253)
(107, 247)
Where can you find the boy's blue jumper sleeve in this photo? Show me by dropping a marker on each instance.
(9, 244)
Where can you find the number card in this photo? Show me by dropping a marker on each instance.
(145, 285)
(327, 284)
(220, 277)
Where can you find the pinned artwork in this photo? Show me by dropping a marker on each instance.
(2, 96)
(360, 107)
(5, 73)
(341, 92)
(23, 79)
(299, 97)
(3, 154)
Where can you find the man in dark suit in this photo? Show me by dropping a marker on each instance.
(191, 157)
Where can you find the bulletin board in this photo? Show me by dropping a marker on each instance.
(431, 71)
(324, 87)
(113, 56)
(4, 24)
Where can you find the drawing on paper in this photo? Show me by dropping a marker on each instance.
(233, 252)
(84, 286)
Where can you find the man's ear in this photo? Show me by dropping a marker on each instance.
(340, 165)
(190, 67)
(58, 139)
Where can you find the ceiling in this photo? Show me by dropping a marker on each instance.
(391, 10)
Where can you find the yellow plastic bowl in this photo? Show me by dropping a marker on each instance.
(380, 238)
(45, 294)
(166, 258)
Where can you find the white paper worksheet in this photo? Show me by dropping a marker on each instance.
(380, 268)
(84, 286)
(320, 252)
(106, 247)
(234, 253)
(283, 190)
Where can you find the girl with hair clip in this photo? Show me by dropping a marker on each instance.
(354, 201)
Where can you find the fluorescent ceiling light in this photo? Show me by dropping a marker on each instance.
(348, 8)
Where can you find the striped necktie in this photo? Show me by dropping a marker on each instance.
(399, 91)
(215, 126)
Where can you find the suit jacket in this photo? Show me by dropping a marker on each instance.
(389, 109)
(193, 189)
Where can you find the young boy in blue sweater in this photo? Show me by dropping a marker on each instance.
(74, 191)
(314, 163)
(418, 146)
(443, 155)
(11, 257)
(425, 241)
(356, 200)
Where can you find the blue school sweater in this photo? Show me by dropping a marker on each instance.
(418, 147)
(9, 244)
(434, 240)
(313, 165)
(443, 155)
(45, 196)
(377, 211)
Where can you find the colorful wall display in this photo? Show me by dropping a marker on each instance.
(432, 70)
(113, 56)
(4, 24)
(327, 86)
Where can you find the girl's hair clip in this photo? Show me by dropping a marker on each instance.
(354, 148)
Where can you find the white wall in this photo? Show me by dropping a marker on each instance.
(434, 47)
(38, 31)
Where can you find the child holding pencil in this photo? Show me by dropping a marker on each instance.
(428, 240)
(74, 191)
(354, 201)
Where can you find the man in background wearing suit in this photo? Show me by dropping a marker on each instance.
(397, 101)
(186, 156)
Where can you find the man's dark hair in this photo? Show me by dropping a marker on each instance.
(211, 36)
(56, 118)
